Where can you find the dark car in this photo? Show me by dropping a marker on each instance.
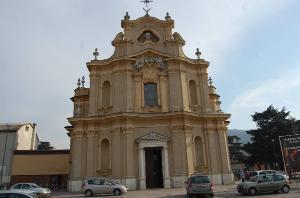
(199, 184)
(264, 184)
(17, 194)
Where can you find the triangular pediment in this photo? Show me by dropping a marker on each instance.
(153, 137)
(149, 52)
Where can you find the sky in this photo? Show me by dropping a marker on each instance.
(253, 47)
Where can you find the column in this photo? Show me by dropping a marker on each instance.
(142, 178)
(167, 182)
(90, 162)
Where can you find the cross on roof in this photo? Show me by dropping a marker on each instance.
(147, 9)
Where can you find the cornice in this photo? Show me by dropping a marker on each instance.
(139, 116)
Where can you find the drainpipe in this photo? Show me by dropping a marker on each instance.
(2, 166)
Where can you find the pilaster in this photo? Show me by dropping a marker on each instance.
(138, 93)
(90, 162)
(164, 93)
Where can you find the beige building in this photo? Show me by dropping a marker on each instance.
(18, 136)
(151, 117)
(45, 168)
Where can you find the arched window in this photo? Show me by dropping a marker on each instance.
(105, 154)
(193, 93)
(150, 94)
(106, 94)
(199, 154)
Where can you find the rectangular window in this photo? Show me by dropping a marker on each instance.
(150, 94)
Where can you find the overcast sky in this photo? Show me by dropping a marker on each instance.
(253, 47)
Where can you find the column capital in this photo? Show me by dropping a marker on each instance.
(77, 134)
(91, 134)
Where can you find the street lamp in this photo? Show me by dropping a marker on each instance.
(274, 154)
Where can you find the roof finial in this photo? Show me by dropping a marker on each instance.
(82, 81)
(96, 53)
(198, 53)
(78, 83)
(147, 9)
(126, 17)
(167, 16)
(210, 82)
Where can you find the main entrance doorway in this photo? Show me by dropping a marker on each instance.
(154, 175)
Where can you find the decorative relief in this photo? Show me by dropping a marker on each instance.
(195, 107)
(153, 136)
(149, 74)
(150, 61)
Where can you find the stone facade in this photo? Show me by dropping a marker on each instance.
(148, 102)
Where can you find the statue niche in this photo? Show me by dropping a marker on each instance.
(148, 36)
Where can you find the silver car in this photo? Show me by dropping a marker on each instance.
(40, 192)
(199, 184)
(94, 186)
(263, 184)
(269, 172)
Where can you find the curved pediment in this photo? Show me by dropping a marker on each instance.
(153, 137)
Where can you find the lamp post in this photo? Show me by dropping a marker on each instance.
(274, 154)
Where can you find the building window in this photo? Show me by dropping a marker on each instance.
(199, 154)
(150, 94)
(105, 154)
(193, 93)
(106, 92)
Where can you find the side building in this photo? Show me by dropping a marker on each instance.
(47, 168)
(20, 136)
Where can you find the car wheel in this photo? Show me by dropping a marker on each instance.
(117, 192)
(252, 191)
(285, 189)
(88, 193)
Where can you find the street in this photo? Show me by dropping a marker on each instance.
(220, 191)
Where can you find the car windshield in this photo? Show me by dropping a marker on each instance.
(34, 186)
(200, 179)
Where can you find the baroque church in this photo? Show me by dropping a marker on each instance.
(151, 117)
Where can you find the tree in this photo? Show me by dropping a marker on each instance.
(264, 146)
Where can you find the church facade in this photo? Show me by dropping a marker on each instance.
(151, 117)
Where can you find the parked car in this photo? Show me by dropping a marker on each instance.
(263, 184)
(269, 172)
(199, 184)
(94, 186)
(40, 192)
(17, 194)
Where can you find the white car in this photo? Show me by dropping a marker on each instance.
(18, 193)
(269, 172)
(41, 192)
